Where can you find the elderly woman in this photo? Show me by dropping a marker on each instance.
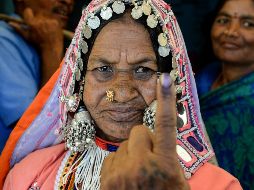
(226, 89)
(108, 122)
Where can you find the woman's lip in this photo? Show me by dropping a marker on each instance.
(229, 45)
(120, 116)
(62, 17)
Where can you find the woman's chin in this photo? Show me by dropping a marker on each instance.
(115, 133)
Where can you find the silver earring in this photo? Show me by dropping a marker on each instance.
(80, 134)
(149, 115)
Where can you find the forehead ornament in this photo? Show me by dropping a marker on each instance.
(147, 9)
(106, 13)
(162, 39)
(118, 7)
(137, 12)
(152, 21)
(163, 51)
(87, 32)
(93, 22)
(84, 47)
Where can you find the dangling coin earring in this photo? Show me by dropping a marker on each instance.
(110, 95)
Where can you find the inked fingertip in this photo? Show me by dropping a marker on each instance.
(166, 82)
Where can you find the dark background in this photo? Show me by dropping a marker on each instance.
(194, 17)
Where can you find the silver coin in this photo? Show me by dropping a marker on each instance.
(84, 47)
(174, 63)
(118, 7)
(87, 32)
(93, 22)
(162, 39)
(152, 21)
(137, 12)
(147, 9)
(78, 75)
(80, 63)
(106, 13)
(163, 51)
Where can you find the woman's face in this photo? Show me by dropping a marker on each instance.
(233, 32)
(122, 60)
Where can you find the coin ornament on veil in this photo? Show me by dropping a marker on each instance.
(87, 32)
(137, 12)
(162, 39)
(147, 9)
(152, 21)
(163, 51)
(78, 75)
(118, 7)
(174, 62)
(93, 22)
(80, 63)
(106, 13)
(84, 47)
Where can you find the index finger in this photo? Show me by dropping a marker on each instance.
(165, 122)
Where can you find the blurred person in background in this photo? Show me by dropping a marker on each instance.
(226, 89)
(29, 54)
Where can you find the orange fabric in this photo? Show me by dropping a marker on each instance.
(25, 121)
(46, 163)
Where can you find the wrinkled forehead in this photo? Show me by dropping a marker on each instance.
(123, 37)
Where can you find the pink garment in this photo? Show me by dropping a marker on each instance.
(41, 167)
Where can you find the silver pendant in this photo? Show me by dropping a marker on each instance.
(84, 47)
(163, 51)
(78, 75)
(118, 7)
(87, 32)
(93, 22)
(106, 13)
(80, 63)
(136, 12)
(174, 62)
(147, 9)
(162, 39)
(152, 21)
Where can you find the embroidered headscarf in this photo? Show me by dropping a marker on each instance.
(44, 130)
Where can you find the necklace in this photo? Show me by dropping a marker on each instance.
(82, 171)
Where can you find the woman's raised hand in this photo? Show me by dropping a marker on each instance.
(148, 160)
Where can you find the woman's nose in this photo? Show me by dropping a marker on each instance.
(233, 29)
(124, 90)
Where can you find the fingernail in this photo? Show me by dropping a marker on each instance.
(166, 82)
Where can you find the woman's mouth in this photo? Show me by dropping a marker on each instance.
(130, 116)
(230, 45)
(62, 12)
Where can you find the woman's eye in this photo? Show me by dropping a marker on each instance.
(222, 20)
(143, 73)
(248, 24)
(143, 70)
(105, 69)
